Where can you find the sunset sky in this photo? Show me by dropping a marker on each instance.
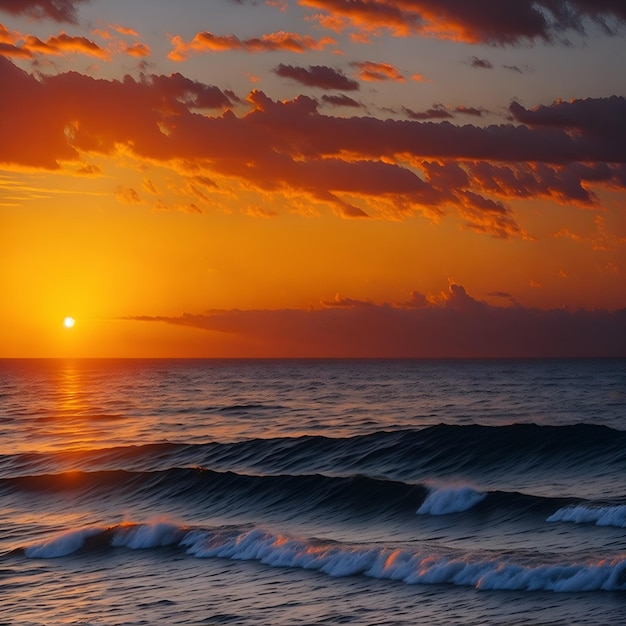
(312, 178)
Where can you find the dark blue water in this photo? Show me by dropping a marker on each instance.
(313, 492)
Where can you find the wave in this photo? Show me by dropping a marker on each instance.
(482, 451)
(613, 515)
(483, 571)
(357, 498)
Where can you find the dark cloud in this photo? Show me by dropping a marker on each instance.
(601, 117)
(564, 183)
(58, 10)
(457, 326)
(436, 112)
(483, 64)
(318, 76)
(341, 100)
(469, 111)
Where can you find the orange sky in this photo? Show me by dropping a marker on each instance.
(312, 178)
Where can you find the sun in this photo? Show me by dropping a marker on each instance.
(69, 322)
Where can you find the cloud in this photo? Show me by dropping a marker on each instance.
(14, 44)
(58, 10)
(344, 303)
(483, 64)
(436, 112)
(479, 21)
(454, 325)
(89, 170)
(469, 111)
(318, 76)
(341, 100)
(149, 186)
(64, 44)
(137, 49)
(564, 183)
(127, 195)
(271, 42)
(11, 50)
(600, 238)
(369, 71)
(357, 166)
(125, 30)
(599, 117)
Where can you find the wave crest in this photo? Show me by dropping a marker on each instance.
(446, 500)
(598, 515)
(482, 572)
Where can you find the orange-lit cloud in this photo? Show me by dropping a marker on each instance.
(64, 44)
(479, 21)
(137, 49)
(125, 30)
(271, 42)
(601, 238)
(366, 14)
(370, 71)
(15, 44)
(452, 325)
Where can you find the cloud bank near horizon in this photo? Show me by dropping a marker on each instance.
(453, 326)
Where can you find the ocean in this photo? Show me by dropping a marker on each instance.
(274, 492)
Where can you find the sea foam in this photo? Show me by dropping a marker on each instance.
(445, 500)
(336, 559)
(63, 544)
(598, 515)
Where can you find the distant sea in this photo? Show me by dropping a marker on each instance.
(387, 492)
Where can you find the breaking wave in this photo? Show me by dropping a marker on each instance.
(483, 571)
